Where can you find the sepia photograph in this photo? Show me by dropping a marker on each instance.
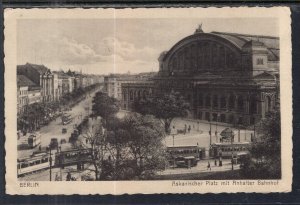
(186, 99)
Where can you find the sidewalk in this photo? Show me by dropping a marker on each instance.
(202, 168)
(60, 173)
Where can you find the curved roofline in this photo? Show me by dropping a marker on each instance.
(246, 35)
(199, 34)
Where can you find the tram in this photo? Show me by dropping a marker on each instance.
(34, 140)
(184, 156)
(71, 157)
(228, 150)
(33, 164)
(66, 119)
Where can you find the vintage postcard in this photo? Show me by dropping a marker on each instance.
(157, 100)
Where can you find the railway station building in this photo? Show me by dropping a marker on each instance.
(226, 77)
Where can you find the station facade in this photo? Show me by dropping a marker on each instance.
(226, 77)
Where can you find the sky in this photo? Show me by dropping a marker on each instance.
(103, 46)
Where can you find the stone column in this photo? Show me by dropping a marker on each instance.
(227, 101)
(247, 102)
(235, 102)
(219, 102)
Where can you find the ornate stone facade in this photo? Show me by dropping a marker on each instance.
(226, 77)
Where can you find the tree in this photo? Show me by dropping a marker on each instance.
(32, 117)
(165, 106)
(144, 140)
(129, 148)
(104, 106)
(265, 160)
(94, 140)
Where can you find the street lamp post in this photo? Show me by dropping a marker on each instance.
(253, 131)
(209, 130)
(232, 137)
(50, 161)
(216, 133)
(173, 148)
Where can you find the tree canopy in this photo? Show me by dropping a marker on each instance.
(130, 148)
(104, 106)
(265, 159)
(166, 106)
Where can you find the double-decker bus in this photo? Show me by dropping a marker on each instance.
(184, 156)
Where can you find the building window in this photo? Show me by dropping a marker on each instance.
(223, 118)
(207, 116)
(125, 95)
(199, 115)
(240, 103)
(268, 104)
(215, 101)
(231, 102)
(259, 61)
(223, 102)
(144, 94)
(253, 106)
(231, 119)
(189, 97)
(207, 101)
(200, 99)
(131, 95)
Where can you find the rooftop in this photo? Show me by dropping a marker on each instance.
(39, 68)
(22, 80)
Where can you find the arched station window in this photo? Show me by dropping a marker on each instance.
(231, 102)
(215, 101)
(200, 99)
(207, 101)
(223, 102)
(240, 103)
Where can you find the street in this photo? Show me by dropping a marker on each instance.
(200, 133)
(54, 128)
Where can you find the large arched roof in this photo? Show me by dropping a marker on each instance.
(234, 41)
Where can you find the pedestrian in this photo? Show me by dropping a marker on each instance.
(69, 176)
(208, 166)
(189, 129)
(57, 177)
(215, 162)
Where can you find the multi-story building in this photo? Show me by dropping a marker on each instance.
(110, 86)
(71, 84)
(22, 98)
(225, 77)
(34, 95)
(135, 90)
(64, 82)
(57, 87)
(113, 83)
(27, 93)
(41, 76)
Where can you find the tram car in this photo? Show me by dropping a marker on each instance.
(184, 156)
(226, 150)
(34, 140)
(72, 157)
(33, 164)
(66, 119)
